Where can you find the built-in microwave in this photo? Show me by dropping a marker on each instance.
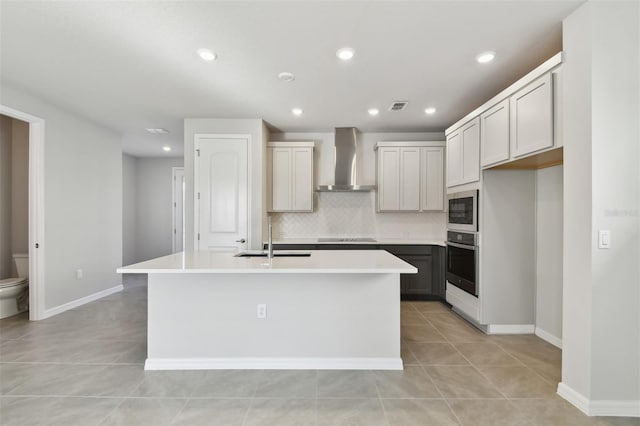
(463, 211)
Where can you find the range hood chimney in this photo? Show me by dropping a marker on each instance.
(345, 163)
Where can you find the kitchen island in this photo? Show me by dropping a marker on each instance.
(330, 310)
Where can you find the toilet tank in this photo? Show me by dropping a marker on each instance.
(22, 264)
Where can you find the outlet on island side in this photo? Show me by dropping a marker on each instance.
(79, 274)
(262, 311)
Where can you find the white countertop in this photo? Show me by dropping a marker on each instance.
(320, 262)
(389, 241)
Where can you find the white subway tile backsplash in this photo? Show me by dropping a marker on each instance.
(352, 214)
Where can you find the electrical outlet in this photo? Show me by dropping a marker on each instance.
(78, 274)
(262, 311)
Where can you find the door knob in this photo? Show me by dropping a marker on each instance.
(242, 240)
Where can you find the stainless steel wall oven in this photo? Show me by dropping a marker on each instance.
(462, 261)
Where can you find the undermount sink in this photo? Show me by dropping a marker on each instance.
(347, 240)
(275, 254)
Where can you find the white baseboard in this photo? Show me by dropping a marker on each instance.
(548, 337)
(273, 364)
(599, 407)
(82, 301)
(510, 328)
(581, 402)
(615, 408)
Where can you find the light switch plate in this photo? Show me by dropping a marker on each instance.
(604, 239)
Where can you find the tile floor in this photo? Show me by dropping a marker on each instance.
(85, 367)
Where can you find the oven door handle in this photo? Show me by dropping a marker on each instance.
(462, 246)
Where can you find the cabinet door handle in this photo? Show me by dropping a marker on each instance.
(242, 240)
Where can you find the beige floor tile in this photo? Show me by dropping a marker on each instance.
(432, 307)
(519, 382)
(461, 333)
(550, 372)
(408, 358)
(281, 412)
(352, 412)
(81, 411)
(213, 412)
(462, 382)
(485, 353)
(228, 383)
(412, 318)
(418, 412)
(20, 411)
(145, 412)
(487, 412)
(551, 412)
(288, 384)
(535, 352)
(412, 382)
(162, 384)
(436, 354)
(347, 384)
(421, 333)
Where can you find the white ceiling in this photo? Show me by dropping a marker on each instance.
(132, 65)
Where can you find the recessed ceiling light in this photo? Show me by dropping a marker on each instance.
(373, 111)
(345, 53)
(166, 148)
(286, 76)
(485, 57)
(430, 110)
(157, 131)
(206, 54)
(296, 111)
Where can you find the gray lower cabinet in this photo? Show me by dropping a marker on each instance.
(427, 284)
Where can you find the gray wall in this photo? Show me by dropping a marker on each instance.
(147, 207)
(549, 252)
(82, 201)
(154, 229)
(5, 197)
(601, 295)
(129, 208)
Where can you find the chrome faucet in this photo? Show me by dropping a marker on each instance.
(269, 239)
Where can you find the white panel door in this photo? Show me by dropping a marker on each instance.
(302, 179)
(178, 209)
(494, 143)
(221, 193)
(532, 117)
(454, 159)
(470, 135)
(432, 178)
(388, 179)
(410, 179)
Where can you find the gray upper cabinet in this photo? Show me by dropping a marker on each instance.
(532, 117)
(494, 125)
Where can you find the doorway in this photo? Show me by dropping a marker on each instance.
(36, 210)
(178, 208)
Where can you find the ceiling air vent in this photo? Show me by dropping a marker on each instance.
(398, 106)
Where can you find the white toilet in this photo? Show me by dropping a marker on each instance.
(13, 298)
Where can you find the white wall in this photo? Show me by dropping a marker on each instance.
(154, 227)
(353, 214)
(129, 208)
(82, 201)
(19, 187)
(601, 295)
(5, 197)
(549, 253)
(257, 187)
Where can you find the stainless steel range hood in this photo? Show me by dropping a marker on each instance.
(345, 163)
